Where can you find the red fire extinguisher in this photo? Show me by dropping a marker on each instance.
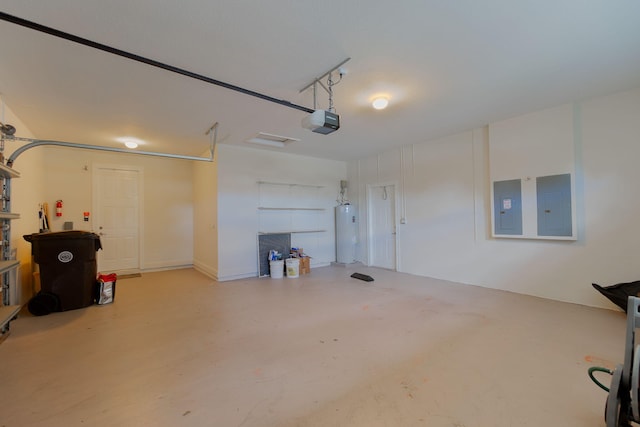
(59, 208)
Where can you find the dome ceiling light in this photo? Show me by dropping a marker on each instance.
(380, 102)
(130, 142)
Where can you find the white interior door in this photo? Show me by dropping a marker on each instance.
(382, 226)
(117, 201)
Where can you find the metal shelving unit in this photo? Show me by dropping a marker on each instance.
(8, 264)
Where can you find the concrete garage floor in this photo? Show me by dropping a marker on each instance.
(178, 349)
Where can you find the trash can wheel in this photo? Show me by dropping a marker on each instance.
(44, 303)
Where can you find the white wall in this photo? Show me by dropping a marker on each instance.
(446, 195)
(610, 154)
(205, 219)
(239, 171)
(168, 199)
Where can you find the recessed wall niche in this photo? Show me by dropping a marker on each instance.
(532, 171)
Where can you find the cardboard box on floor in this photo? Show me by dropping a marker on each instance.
(305, 265)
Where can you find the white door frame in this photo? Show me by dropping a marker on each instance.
(370, 188)
(94, 204)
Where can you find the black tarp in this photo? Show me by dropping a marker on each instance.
(619, 294)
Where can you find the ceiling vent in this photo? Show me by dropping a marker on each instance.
(270, 140)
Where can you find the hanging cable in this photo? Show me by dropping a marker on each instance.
(330, 86)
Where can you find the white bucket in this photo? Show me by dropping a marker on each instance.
(276, 269)
(293, 267)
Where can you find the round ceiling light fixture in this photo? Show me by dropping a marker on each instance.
(130, 142)
(380, 102)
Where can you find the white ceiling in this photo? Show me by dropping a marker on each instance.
(448, 66)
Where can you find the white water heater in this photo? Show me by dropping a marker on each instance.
(346, 233)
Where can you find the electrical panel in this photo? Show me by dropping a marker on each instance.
(554, 205)
(507, 207)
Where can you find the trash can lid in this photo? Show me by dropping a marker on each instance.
(64, 235)
(69, 234)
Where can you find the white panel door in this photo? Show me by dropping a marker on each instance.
(382, 226)
(117, 212)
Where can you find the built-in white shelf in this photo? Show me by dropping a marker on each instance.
(290, 184)
(266, 208)
(292, 232)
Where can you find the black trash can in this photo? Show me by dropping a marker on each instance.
(68, 267)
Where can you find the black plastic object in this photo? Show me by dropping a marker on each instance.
(68, 267)
(362, 277)
(619, 294)
(43, 303)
